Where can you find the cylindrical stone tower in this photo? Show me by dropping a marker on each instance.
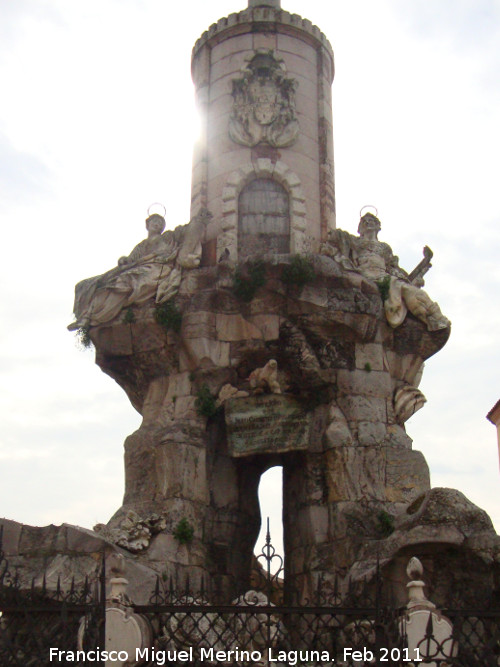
(264, 163)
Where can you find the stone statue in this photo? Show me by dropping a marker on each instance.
(265, 378)
(376, 262)
(193, 233)
(149, 271)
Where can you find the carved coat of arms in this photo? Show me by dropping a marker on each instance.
(264, 104)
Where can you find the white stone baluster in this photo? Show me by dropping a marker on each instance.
(429, 634)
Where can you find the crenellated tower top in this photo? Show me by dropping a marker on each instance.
(276, 4)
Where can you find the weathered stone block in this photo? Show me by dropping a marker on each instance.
(198, 324)
(397, 437)
(147, 336)
(203, 353)
(235, 327)
(242, 46)
(185, 407)
(156, 394)
(268, 325)
(337, 433)
(315, 295)
(371, 433)
(355, 473)
(376, 383)
(43, 540)
(82, 540)
(407, 474)
(313, 524)
(180, 471)
(116, 340)
(363, 408)
(370, 354)
(226, 491)
(179, 384)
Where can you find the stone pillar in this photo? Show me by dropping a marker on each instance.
(263, 79)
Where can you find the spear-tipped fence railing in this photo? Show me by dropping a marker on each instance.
(339, 624)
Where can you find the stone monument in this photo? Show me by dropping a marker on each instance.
(260, 334)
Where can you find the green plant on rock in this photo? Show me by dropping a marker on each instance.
(183, 532)
(386, 523)
(83, 338)
(205, 403)
(248, 278)
(168, 316)
(129, 316)
(368, 367)
(299, 272)
(384, 286)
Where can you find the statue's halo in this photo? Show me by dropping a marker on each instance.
(156, 203)
(369, 206)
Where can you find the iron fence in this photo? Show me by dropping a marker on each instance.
(352, 628)
(37, 619)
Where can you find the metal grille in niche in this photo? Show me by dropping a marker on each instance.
(263, 219)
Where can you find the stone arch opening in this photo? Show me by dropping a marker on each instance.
(270, 494)
(263, 219)
(262, 168)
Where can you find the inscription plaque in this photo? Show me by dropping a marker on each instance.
(265, 424)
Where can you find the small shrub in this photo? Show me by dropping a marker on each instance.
(183, 532)
(248, 279)
(168, 316)
(368, 367)
(384, 287)
(83, 338)
(299, 272)
(205, 402)
(386, 523)
(129, 317)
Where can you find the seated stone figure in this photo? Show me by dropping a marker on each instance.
(149, 271)
(376, 262)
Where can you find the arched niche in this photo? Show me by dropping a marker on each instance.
(262, 168)
(263, 219)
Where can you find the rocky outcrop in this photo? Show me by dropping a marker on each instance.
(326, 346)
(455, 541)
(51, 556)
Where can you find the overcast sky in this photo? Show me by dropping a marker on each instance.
(97, 121)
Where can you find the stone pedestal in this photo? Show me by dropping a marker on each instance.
(349, 468)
